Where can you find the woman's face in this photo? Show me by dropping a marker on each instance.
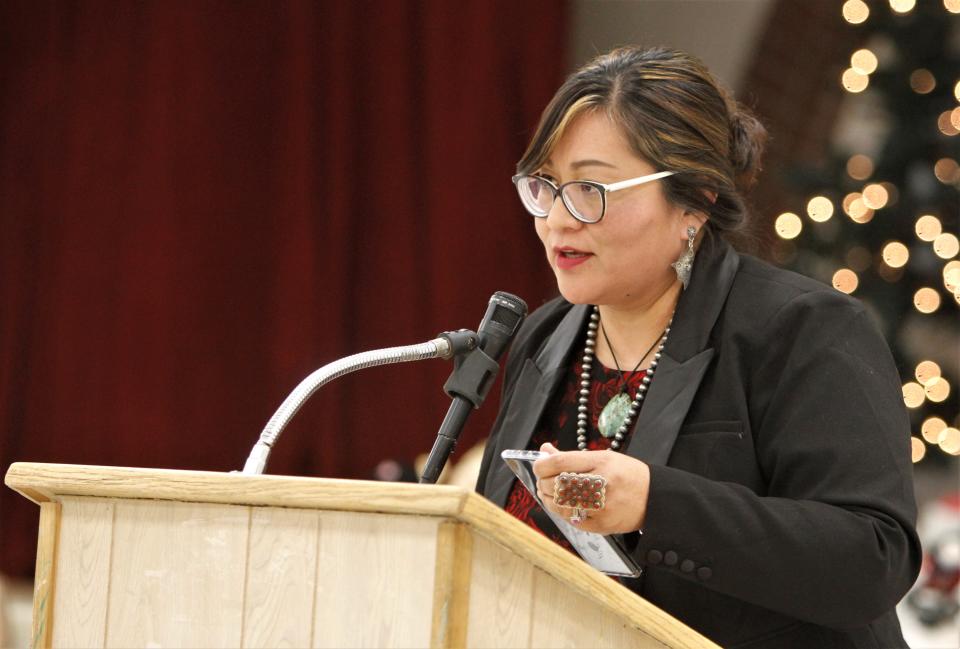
(624, 260)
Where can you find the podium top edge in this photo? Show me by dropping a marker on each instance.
(45, 482)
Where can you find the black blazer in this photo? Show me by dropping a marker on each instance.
(781, 510)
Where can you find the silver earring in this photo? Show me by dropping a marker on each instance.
(684, 265)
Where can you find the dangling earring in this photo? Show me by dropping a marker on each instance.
(684, 265)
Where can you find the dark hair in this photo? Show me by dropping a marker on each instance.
(676, 116)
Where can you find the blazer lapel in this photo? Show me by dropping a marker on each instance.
(686, 356)
(537, 382)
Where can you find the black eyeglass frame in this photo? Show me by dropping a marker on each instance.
(603, 188)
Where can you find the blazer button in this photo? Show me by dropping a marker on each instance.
(687, 566)
(654, 557)
(670, 558)
(704, 573)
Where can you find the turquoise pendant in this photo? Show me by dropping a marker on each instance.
(614, 414)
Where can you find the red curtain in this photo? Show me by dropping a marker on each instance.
(202, 202)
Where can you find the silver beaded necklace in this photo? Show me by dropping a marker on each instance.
(617, 416)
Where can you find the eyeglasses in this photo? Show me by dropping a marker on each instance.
(586, 200)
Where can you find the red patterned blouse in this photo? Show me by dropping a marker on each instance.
(559, 427)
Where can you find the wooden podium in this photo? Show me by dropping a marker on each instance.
(160, 558)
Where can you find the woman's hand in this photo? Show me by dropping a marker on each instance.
(628, 486)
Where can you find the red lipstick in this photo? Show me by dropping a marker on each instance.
(567, 257)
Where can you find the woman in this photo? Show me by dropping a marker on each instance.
(758, 466)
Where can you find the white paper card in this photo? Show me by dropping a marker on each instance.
(599, 551)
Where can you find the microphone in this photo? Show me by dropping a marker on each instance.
(473, 376)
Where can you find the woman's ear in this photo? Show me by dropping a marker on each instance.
(695, 219)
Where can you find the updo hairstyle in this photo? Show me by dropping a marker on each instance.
(674, 115)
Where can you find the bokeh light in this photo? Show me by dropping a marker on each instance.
(926, 371)
(946, 245)
(895, 254)
(946, 125)
(953, 6)
(922, 81)
(902, 6)
(860, 167)
(951, 275)
(853, 81)
(950, 441)
(788, 225)
(820, 208)
(928, 227)
(932, 428)
(855, 208)
(845, 280)
(875, 196)
(926, 300)
(917, 449)
(937, 390)
(855, 11)
(913, 394)
(863, 61)
(947, 171)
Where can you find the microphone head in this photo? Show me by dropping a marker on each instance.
(505, 314)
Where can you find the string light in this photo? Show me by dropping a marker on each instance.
(875, 196)
(950, 441)
(895, 254)
(820, 208)
(937, 390)
(951, 275)
(913, 394)
(917, 449)
(845, 280)
(853, 81)
(932, 428)
(855, 11)
(788, 225)
(922, 81)
(902, 6)
(859, 166)
(946, 246)
(946, 125)
(926, 300)
(926, 372)
(863, 61)
(928, 227)
(947, 171)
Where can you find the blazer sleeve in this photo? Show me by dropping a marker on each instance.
(832, 539)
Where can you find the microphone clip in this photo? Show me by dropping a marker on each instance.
(473, 371)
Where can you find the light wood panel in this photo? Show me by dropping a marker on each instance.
(375, 586)
(281, 577)
(45, 575)
(83, 571)
(563, 617)
(501, 592)
(451, 592)
(178, 574)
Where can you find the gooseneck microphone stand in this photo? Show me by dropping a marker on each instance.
(462, 346)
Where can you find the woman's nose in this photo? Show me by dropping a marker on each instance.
(560, 218)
